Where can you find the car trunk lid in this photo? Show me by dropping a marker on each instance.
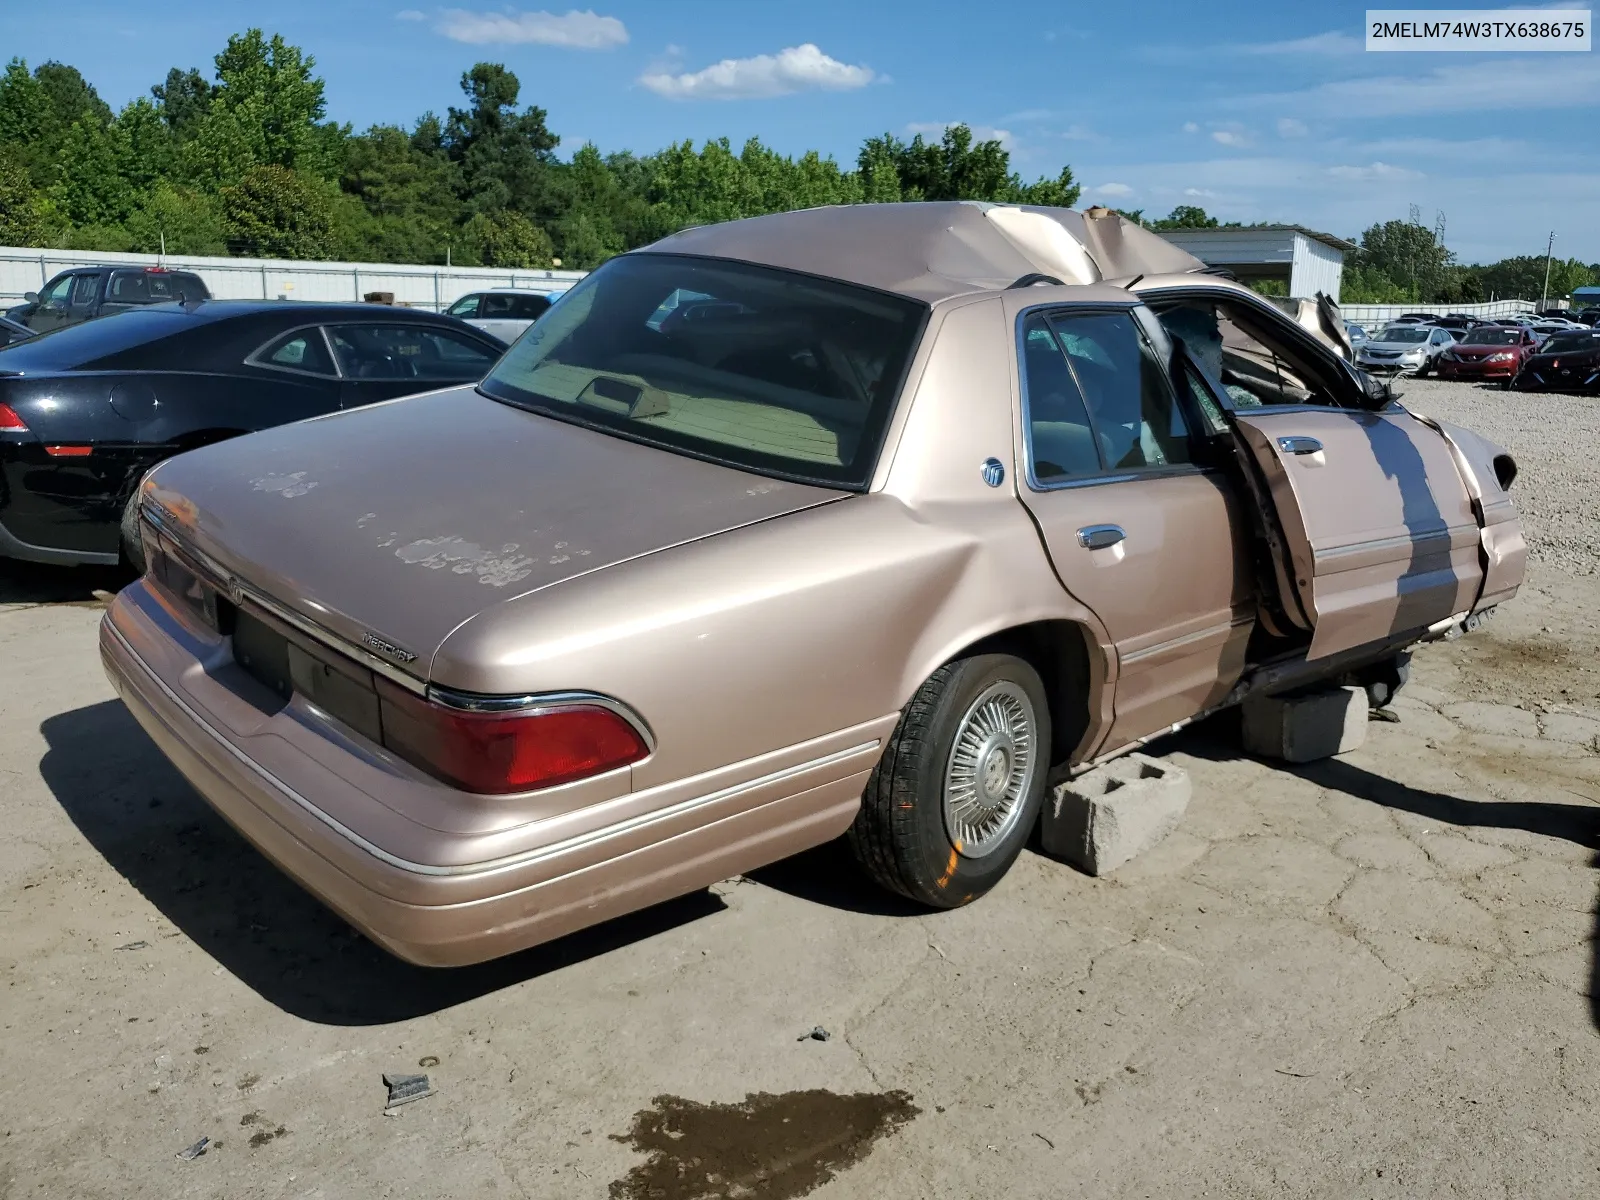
(389, 526)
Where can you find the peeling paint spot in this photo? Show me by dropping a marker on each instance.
(390, 540)
(761, 489)
(288, 485)
(584, 553)
(560, 546)
(362, 521)
(468, 558)
(559, 558)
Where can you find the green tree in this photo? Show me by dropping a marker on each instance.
(407, 198)
(507, 239)
(24, 113)
(1522, 277)
(184, 100)
(264, 111)
(1415, 263)
(1187, 216)
(184, 220)
(38, 111)
(506, 157)
(276, 212)
(144, 145)
(90, 188)
(877, 167)
(21, 223)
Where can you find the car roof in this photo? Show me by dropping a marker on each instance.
(203, 311)
(932, 251)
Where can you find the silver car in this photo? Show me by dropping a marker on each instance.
(1400, 348)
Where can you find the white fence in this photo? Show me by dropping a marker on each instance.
(1370, 315)
(23, 270)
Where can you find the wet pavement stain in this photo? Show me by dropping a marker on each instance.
(765, 1148)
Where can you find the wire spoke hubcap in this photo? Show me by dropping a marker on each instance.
(991, 768)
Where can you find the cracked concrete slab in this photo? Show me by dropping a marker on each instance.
(1373, 976)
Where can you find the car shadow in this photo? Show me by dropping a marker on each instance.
(1576, 823)
(829, 875)
(36, 583)
(153, 829)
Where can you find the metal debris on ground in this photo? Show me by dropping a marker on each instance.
(1386, 715)
(403, 1089)
(817, 1034)
(135, 946)
(190, 1153)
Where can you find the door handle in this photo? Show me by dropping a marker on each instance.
(1098, 537)
(1299, 445)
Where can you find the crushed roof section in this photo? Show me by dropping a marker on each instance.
(935, 250)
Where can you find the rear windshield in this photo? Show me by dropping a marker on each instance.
(767, 370)
(1569, 343)
(1492, 337)
(89, 341)
(154, 287)
(1405, 333)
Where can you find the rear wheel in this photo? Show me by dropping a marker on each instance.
(956, 795)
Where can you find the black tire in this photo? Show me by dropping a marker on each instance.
(900, 836)
(132, 544)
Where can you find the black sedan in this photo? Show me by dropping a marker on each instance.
(1568, 361)
(12, 332)
(85, 411)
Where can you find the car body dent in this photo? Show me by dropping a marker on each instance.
(769, 633)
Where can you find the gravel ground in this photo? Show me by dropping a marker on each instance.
(1556, 442)
(1373, 976)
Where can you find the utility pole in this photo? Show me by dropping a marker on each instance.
(1548, 247)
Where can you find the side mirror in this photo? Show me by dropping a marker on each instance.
(1376, 394)
(30, 297)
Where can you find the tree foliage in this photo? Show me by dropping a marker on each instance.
(277, 212)
(245, 161)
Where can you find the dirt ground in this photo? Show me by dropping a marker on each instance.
(1373, 976)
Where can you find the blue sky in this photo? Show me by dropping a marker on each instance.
(1255, 111)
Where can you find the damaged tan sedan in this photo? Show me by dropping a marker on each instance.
(868, 521)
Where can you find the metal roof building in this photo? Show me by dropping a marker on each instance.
(1306, 261)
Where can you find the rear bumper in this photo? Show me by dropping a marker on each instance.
(482, 893)
(12, 546)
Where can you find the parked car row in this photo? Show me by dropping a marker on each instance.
(772, 532)
(87, 409)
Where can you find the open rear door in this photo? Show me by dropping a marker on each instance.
(1379, 533)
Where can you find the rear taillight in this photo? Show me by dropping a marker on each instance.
(495, 753)
(10, 422)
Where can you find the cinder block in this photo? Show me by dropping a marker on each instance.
(1106, 816)
(1305, 726)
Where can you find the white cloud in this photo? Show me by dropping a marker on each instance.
(1200, 193)
(1497, 83)
(1374, 171)
(1289, 127)
(574, 30)
(410, 14)
(796, 69)
(1190, 127)
(1230, 137)
(1079, 133)
(1113, 190)
(1464, 150)
(980, 133)
(1030, 115)
(1331, 44)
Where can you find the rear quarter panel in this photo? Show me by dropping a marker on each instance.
(819, 621)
